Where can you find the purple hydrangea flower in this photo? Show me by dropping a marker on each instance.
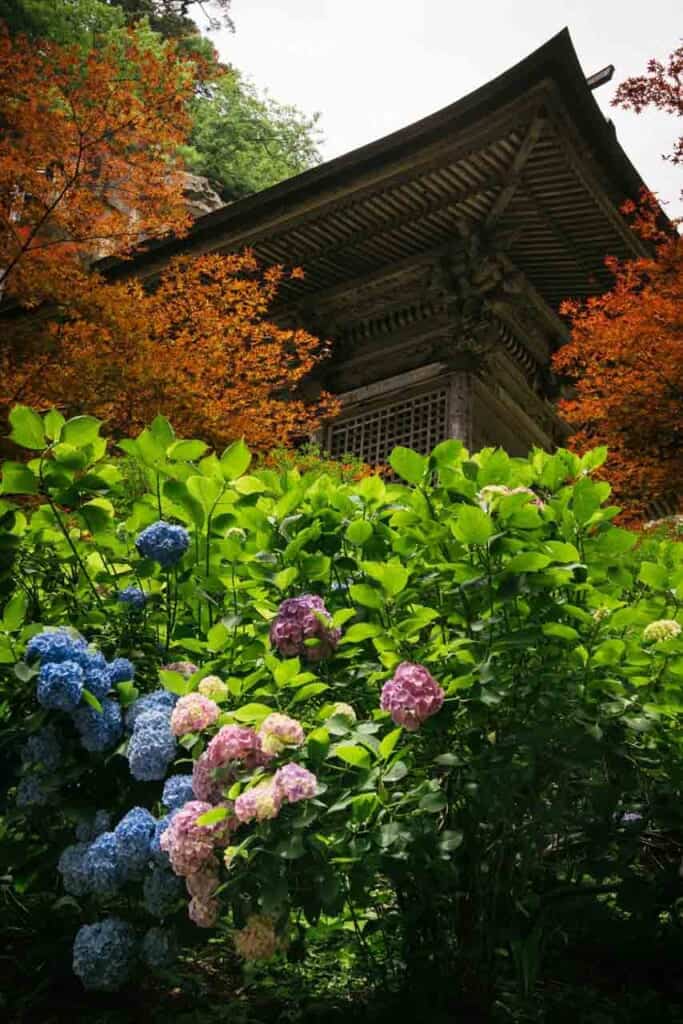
(32, 791)
(164, 543)
(295, 783)
(411, 696)
(300, 619)
(96, 677)
(193, 713)
(158, 700)
(259, 803)
(105, 872)
(42, 750)
(60, 685)
(72, 867)
(161, 892)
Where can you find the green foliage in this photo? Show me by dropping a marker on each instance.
(246, 141)
(546, 793)
(64, 21)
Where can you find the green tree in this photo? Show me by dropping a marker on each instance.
(63, 21)
(246, 141)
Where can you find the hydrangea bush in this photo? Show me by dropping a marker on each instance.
(439, 715)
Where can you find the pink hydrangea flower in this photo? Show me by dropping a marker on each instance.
(235, 743)
(259, 803)
(190, 845)
(209, 781)
(295, 783)
(186, 668)
(202, 884)
(203, 914)
(300, 619)
(193, 713)
(280, 731)
(258, 939)
(411, 695)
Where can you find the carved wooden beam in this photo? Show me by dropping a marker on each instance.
(521, 158)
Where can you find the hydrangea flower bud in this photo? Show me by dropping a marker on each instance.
(344, 710)
(185, 668)
(300, 619)
(134, 597)
(121, 670)
(193, 713)
(662, 629)
(411, 696)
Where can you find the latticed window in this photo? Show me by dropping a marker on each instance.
(420, 422)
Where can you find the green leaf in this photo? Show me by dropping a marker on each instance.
(235, 460)
(186, 451)
(398, 771)
(53, 421)
(472, 525)
(252, 713)
(409, 465)
(310, 690)
(390, 576)
(353, 755)
(285, 671)
(92, 700)
(27, 428)
(174, 682)
(285, 577)
(560, 631)
(360, 631)
(433, 802)
(250, 485)
(80, 430)
(18, 479)
(387, 745)
(527, 561)
(654, 575)
(366, 595)
(15, 611)
(217, 637)
(359, 532)
(213, 816)
(128, 692)
(318, 744)
(447, 453)
(609, 652)
(450, 840)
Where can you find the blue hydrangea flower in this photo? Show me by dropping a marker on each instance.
(91, 828)
(177, 791)
(159, 700)
(54, 645)
(103, 866)
(152, 746)
(32, 791)
(97, 678)
(99, 730)
(159, 948)
(121, 670)
(60, 685)
(133, 834)
(104, 953)
(43, 749)
(132, 596)
(72, 868)
(161, 892)
(164, 543)
(158, 855)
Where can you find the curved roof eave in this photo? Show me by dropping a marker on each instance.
(555, 60)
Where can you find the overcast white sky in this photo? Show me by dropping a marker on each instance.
(372, 66)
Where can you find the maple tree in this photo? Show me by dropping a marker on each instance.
(197, 348)
(625, 354)
(87, 157)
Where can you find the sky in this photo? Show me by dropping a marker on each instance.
(372, 66)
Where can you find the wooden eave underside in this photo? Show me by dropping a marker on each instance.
(527, 159)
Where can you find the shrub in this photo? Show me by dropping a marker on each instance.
(438, 715)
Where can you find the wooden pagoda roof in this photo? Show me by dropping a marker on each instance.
(529, 157)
